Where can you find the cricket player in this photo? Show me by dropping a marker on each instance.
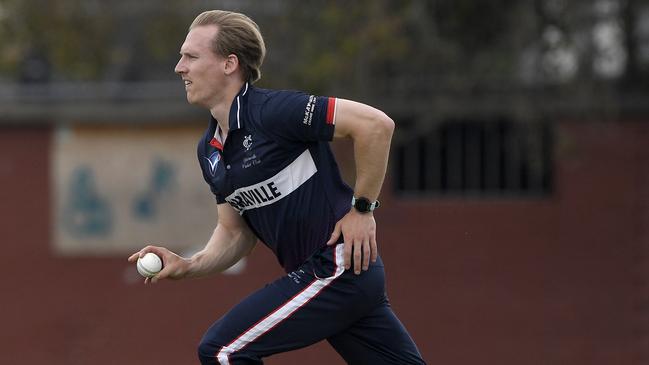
(266, 157)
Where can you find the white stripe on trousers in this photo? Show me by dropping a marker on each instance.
(284, 311)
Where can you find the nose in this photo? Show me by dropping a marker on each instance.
(180, 67)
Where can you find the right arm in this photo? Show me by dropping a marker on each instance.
(231, 240)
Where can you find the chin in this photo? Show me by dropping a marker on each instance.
(197, 102)
(192, 100)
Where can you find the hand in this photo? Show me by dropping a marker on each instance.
(173, 266)
(359, 233)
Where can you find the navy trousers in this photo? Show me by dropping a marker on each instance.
(320, 300)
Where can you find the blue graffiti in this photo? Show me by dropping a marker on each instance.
(162, 181)
(85, 213)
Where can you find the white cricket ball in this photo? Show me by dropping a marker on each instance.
(149, 265)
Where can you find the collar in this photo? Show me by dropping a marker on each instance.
(237, 104)
(234, 118)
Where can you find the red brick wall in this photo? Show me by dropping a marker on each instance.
(518, 281)
(561, 280)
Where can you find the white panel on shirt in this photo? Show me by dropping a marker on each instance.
(275, 188)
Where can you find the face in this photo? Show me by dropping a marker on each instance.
(201, 69)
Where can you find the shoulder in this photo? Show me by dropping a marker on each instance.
(271, 104)
(260, 96)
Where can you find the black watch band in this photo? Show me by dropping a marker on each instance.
(363, 205)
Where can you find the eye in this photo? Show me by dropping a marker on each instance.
(188, 55)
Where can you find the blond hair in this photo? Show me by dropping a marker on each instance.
(238, 35)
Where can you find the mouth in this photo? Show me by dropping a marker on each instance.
(187, 83)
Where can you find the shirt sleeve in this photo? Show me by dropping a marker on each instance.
(296, 116)
(203, 163)
(220, 199)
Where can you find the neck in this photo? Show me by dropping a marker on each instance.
(221, 109)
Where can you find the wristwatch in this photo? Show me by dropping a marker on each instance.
(363, 205)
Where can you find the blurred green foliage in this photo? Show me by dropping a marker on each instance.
(74, 36)
(354, 47)
(341, 44)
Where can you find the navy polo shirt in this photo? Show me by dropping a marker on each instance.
(277, 170)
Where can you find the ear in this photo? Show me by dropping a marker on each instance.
(231, 64)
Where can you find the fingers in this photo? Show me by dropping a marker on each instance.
(334, 235)
(362, 253)
(163, 274)
(155, 249)
(134, 257)
(347, 253)
(358, 246)
(359, 237)
(137, 255)
(374, 249)
(366, 255)
(154, 279)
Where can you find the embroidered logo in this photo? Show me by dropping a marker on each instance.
(250, 161)
(247, 142)
(213, 161)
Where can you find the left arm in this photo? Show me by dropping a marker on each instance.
(371, 131)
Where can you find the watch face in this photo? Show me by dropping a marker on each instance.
(362, 205)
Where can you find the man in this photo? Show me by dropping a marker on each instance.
(267, 160)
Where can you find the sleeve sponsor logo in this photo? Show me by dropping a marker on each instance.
(308, 111)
